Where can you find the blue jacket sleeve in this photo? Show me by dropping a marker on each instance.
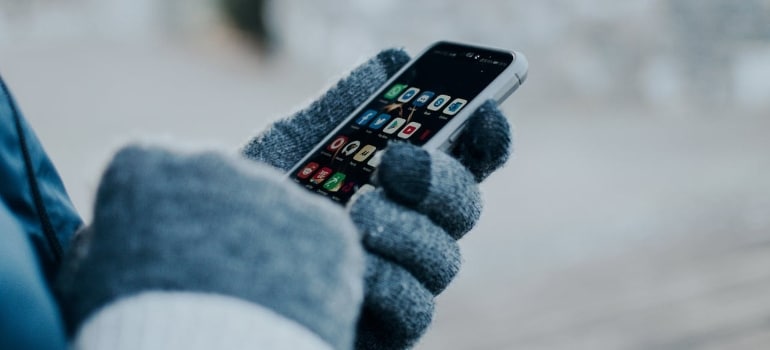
(29, 318)
(31, 188)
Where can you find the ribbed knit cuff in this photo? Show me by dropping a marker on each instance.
(191, 321)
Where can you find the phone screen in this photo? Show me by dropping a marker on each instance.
(418, 103)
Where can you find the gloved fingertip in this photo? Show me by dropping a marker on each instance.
(485, 144)
(397, 308)
(404, 173)
(393, 60)
(411, 240)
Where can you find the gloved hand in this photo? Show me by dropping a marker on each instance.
(210, 251)
(422, 205)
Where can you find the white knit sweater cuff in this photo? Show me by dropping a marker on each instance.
(191, 321)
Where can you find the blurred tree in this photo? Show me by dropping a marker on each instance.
(250, 17)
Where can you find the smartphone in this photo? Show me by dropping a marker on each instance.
(426, 103)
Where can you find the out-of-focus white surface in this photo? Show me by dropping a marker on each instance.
(633, 215)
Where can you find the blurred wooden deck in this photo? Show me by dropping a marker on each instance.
(704, 296)
(671, 250)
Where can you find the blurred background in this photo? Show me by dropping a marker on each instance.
(634, 215)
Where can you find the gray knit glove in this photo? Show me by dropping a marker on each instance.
(210, 251)
(410, 224)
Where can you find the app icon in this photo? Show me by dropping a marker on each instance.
(394, 125)
(335, 182)
(350, 148)
(409, 130)
(348, 186)
(375, 161)
(394, 91)
(379, 121)
(366, 117)
(364, 153)
(337, 143)
(439, 102)
(455, 106)
(425, 134)
(423, 99)
(408, 94)
(321, 175)
(305, 172)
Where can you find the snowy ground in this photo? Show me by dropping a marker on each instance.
(614, 227)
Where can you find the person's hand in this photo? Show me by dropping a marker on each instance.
(210, 251)
(423, 204)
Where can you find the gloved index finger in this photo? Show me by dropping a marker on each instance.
(485, 144)
(288, 140)
(434, 184)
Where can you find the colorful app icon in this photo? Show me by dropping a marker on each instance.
(335, 182)
(455, 106)
(394, 125)
(321, 175)
(348, 187)
(425, 134)
(439, 102)
(408, 94)
(394, 91)
(376, 159)
(423, 99)
(409, 130)
(366, 117)
(350, 148)
(305, 172)
(364, 153)
(337, 143)
(379, 121)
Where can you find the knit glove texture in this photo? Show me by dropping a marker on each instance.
(424, 202)
(202, 250)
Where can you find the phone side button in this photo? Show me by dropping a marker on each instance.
(507, 91)
(455, 135)
(522, 78)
